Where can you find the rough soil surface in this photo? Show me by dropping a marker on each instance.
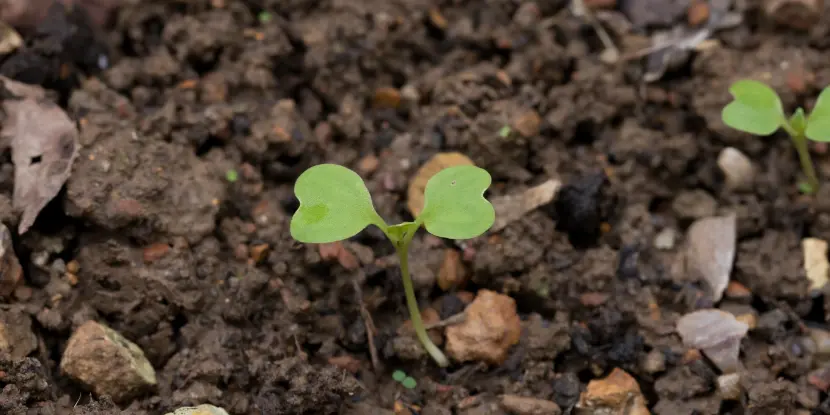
(195, 118)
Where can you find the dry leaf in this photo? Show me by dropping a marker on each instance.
(44, 143)
(711, 251)
(716, 333)
(512, 207)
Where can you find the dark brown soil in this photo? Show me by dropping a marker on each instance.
(167, 246)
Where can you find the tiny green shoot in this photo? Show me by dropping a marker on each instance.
(407, 381)
(504, 131)
(757, 109)
(335, 205)
(264, 17)
(231, 175)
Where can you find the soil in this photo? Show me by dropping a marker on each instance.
(202, 274)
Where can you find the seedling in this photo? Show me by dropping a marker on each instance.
(231, 176)
(757, 109)
(335, 205)
(405, 380)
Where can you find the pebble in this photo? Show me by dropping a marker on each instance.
(796, 14)
(618, 393)
(491, 327)
(654, 362)
(16, 335)
(386, 97)
(737, 291)
(528, 124)
(694, 204)
(665, 240)
(816, 264)
(711, 251)
(452, 273)
(520, 405)
(107, 363)
(729, 386)
(737, 168)
(204, 409)
(716, 333)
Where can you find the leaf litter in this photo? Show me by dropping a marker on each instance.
(44, 144)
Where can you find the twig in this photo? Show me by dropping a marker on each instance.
(579, 9)
(369, 324)
(449, 321)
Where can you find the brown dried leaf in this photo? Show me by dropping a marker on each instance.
(512, 207)
(711, 251)
(44, 143)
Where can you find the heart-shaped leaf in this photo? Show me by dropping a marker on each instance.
(756, 108)
(818, 124)
(454, 203)
(334, 205)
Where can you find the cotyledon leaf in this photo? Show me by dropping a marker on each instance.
(756, 108)
(454, 203)
(818, 123)
(334, 205)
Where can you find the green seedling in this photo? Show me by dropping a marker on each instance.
(407, 381)
(335, 205)
(757, 109)
(231, 175)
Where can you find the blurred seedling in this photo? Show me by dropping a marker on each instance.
(405, 380)
(757, 109)
(335, 205)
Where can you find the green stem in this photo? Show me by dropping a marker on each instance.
(803, 150)
(414, 311)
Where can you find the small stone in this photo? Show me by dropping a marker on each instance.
(710, 251)
(815, 262)
(694, 204)
(822, 341)
(346, 362)
(716, 333)
(386, 98)
(520, 405)
(16, 335)
(654, 362)
(155, 252)
(528, 124)
(437, 19)
(737, 291)
(11, 273)
(368, 164)
(820, 378)
(750, 319)
(336, 250)
(203, 409)
(73, 266)
(491, 327)
(796, 14)
(452, 273)
(107, 363)
(618, 393)
(737, 168)
(258, 252)
(593, 299)
(666, 239)
(729, 386)
(698, 13)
